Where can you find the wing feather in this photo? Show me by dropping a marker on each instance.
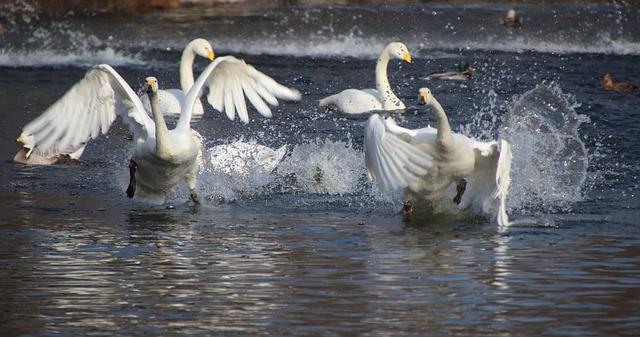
(85, 111)
(492, 177)
(229, 79)
(391, 160)
(256, 101)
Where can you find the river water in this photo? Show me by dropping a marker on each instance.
(309, 247)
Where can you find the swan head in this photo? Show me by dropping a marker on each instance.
(151, 84)
(202, 48)
(425, 96)
(399, 51)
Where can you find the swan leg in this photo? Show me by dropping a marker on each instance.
(407, 207)
(191, 182)
(194, 196)
(460, 188)
(131, 190)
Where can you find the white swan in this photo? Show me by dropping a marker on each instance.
(433, 164)
(161, 157)
(171, 100)
(354, 101)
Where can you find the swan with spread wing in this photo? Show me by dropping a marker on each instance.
(434, 163)
(161, 158)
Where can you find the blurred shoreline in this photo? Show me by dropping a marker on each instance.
(95, 7)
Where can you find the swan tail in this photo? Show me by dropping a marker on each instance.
(326, 101)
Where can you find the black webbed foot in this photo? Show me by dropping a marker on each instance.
(131, 190)
(462, 186)
(194, 197)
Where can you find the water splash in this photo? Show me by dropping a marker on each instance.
(239, 167)
(550, 161)
(324, 167)
(30, 41)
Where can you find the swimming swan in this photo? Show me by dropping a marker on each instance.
(354, 101)
(433, 163)
(171, 100)
(161, 157)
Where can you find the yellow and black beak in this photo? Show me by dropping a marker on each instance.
(424, 96)
(152, 86)
(210, 55)
(406, 57)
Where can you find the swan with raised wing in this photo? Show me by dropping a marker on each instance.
(435, 164)
(161, 157)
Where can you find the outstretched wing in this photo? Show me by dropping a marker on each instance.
(84, 112)
(490, 181)
(230, 80)
(390, 157)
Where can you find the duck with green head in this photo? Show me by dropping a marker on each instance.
(464, 72)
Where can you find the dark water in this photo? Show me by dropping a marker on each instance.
(312, 248)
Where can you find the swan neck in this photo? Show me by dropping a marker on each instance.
(162, 132)
(444, 129)
(388, 99)
(186, 68)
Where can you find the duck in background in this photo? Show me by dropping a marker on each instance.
(609, 84)
(465, 70)
(512, 21)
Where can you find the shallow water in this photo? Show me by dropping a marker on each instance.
(310, 247)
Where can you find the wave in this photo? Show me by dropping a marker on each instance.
(82, 58)
(603, 44)
(370, 47)
(348, 46)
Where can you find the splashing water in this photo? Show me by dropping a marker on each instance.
(324, 167)
(239, 167)
(56, 43)
(316, 174)
(550, 160)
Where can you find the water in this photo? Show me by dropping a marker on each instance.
(292, 239)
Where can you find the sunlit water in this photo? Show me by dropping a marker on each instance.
(292, 239)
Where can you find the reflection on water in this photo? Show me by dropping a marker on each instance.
(166, 271)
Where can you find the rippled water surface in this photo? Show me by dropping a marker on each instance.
(307, 246)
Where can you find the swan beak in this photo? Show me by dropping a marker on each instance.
(406, 57)
(210, 55)
(423, 98)
(152, 86)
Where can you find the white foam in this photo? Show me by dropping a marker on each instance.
(369, 47)
(603, 44)
(343, 46)
(81, 58)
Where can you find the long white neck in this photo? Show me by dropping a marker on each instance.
(163, 141)
(388, 99)
(186, 68)
(444, 129)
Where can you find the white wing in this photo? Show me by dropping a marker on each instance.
(354, 101)
(390, 157)
(489, 184)
(86, 110)
(230, 80)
